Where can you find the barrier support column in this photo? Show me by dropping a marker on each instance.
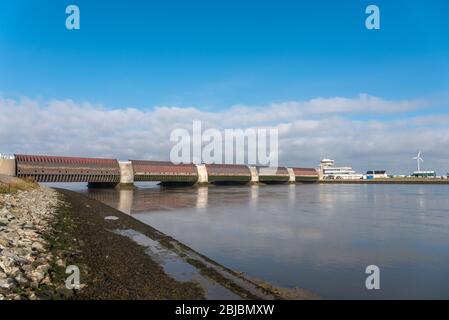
(292, 177)
(126, 174)
(254, 175)
(202, 174)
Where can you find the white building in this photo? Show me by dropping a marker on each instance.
(329, 171)
(376, 174)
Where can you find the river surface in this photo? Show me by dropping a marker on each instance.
(317, 237)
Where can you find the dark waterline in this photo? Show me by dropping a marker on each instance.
(317, 237)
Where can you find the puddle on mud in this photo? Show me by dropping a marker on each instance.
(111, 218)
(176, 267)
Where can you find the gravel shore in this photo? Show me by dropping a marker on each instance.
(25, 217)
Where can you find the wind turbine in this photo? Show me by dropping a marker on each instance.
(418, 159)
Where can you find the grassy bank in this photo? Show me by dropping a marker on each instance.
(11, 185)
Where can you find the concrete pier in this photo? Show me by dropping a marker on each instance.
(292, 176)
(254, 175)
(126, 174)
(202, 174)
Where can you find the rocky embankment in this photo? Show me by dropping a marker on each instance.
(25, 261)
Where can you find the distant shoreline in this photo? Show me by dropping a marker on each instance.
(388, 181)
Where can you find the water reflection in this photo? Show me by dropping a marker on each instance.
(319, 237)
(126, 197)
(292, 194)
(201, 200)
(254, 195)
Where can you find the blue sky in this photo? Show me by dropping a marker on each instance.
(213, 54)
(138, 69)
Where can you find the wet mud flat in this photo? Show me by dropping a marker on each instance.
(122, 258)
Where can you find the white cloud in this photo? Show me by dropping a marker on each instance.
(307, 130)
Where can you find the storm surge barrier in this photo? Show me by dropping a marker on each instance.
(111, 172)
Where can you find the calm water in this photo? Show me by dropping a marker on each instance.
(317, 237)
